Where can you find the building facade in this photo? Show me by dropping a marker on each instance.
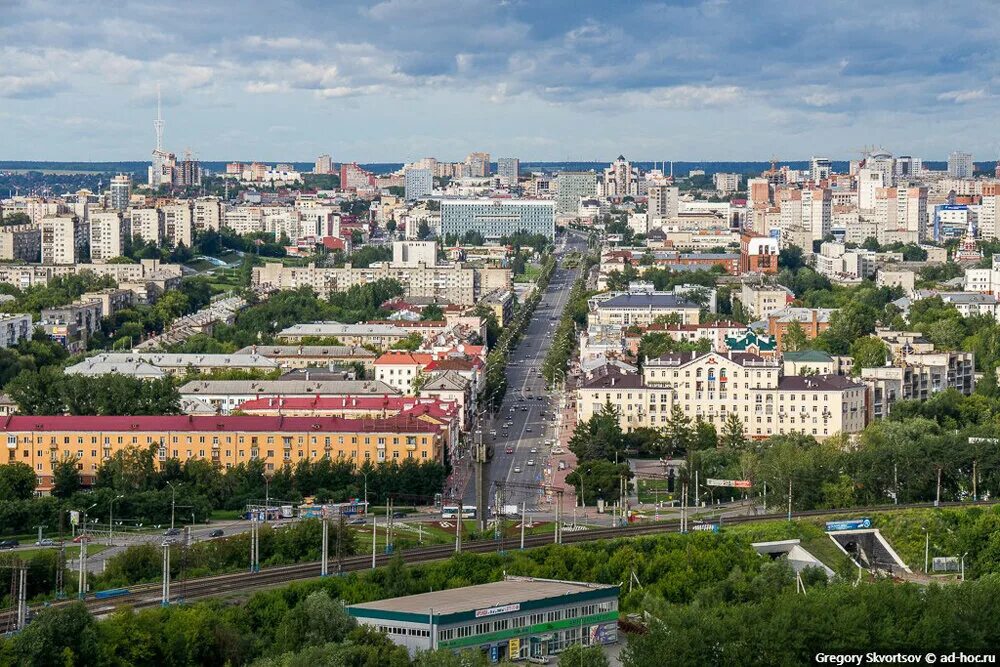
(497, 218)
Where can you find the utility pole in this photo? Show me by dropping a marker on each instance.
(937, 500)
(165, 597)
(22, 595)
(323, 571)
(480, 475)
(374, 536)
(173, 503)
(40, 528)
(458, 528)
(895, 482)
(559, 502)
(524, 519)
(255, 542)
(975, 496)
(765, 497)
(789, 499)
(927, 549)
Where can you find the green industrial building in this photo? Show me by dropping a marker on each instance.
(516, 618)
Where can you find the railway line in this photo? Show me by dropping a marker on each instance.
(149, 595)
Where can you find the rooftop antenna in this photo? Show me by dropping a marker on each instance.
(158, 123)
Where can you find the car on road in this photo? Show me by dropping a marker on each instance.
(509, 450)
(9, 544)
(531, 462)
(517, 468)
(45, 542)
(524, 409)
(83, 538)
(534, 450)
(218, 532)
(493, 432)
(527, 429)
(171, 532)
(356, 521)
(399, 515)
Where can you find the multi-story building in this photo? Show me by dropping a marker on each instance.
(762, 299)
(147, 224)
(353, 177)
(518, 618)
(813, 321)
(497, 218)
(127, 363)
(109, 230)
(572, 187)
(621, 179)
(324, 165)
(309, 356)
(478, 165)
(178, 225)
(62, 238)
(380, 335)
(72, 325)
(206, 213)
(628, 309)
(663, 204)
(714, 385)
(508, 169)
(758, 254)
(726, 183)
(245, 219)
(819, 169)
(120, 191)
(418, 183)
(42, 442)
(14, 328)
(112, 299)
(960, 165)
(224, 396)
(20, 243)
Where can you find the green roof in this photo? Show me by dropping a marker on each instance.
(741, 342)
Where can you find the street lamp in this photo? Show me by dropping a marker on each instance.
(963, 564)
(267, 495)
(111, 519)
(173, 502)
(82, 586)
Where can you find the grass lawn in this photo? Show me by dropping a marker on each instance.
(652, 490)
(530, 275)
(72, 551)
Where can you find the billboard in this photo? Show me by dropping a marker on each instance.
(731, 483)
(493, 611)
(850, 524)
(945, 564)
(706, 527)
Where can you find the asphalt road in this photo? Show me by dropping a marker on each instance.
(526, 420)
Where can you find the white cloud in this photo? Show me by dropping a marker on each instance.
(963, 96)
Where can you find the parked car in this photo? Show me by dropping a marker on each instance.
(562, 465)
(218, 532)
(172, 532)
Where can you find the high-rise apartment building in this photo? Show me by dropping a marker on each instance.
(819, 169)
(621, 179)
(121, 191)
(206, 213)
(908, 167)
(662, 202)
(108, 232)
(574, 185)
(417, 183)
(61, 239)
(960, 165)
(353, 177)
(726, 183)
(146, 223)
(324, 165)
(177, 224)
(869, 181)
(508, 169)
(478, 164)
(989, 208)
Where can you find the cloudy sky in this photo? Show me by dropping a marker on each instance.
(400, 79)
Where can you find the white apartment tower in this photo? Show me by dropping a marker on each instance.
(417, 183)
(60, 239)
(108, 233)
(819, 169)
(120, 191)
(960, 165)
(662, 202)
(508, 169)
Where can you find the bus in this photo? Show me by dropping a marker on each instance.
(451, 512)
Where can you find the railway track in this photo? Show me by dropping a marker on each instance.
(149, 595)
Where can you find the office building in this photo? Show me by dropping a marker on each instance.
(572, 187)
(417, 183)
(324, 165)
(497, 218)
(908, 168)
(631, 309)
(508, 169)
(120, 191)
(519, 618)
(960, 165)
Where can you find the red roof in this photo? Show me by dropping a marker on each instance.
(404, 358)
(261, 424)
(407, 405)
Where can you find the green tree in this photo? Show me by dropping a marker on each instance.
(732, 435)
(65, 478)
(679, 434)
(794, 338)
(316, 620)
(600, 437)
(578, 655)
(868, 352)
(58, 636)
(432, 313)
(17, 481)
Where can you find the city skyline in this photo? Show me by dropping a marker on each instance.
(399, 80)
